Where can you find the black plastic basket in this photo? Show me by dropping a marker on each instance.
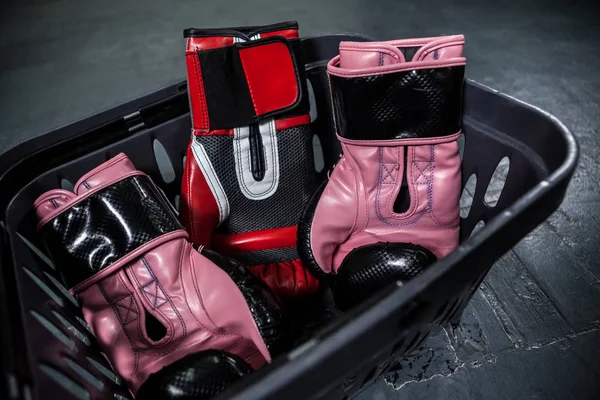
(48, 351)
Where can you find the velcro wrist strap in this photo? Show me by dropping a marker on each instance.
(106, 226)
(238, 85)
(408, 104)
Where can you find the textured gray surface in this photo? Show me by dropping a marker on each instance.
(532, 329)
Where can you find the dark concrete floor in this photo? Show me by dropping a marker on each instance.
(532, 329)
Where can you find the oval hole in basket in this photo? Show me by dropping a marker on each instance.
(66, 184)
(312, 101)
(61, 288)
(164, 163)
(53, 329)
(318, 152)
(42, 285)
(78, 391)
(104, 370)
(496, 185)
(84, 374)
(176, 202)
(479, 226)
(461, 145)
(466, 198)
(71, 328)
(36, 251)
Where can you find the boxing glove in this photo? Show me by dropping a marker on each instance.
(173, 321)
(249, 168)
(390, 207)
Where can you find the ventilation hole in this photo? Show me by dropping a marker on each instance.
(69, 384)
(37, 251)
(85, 374)
(312, 100)
(318, 152)
(84, 324)
(461, 146)
(479, 226)
(72, 328)
(105, 371)
(176, 202)
(162, 160)
(44, 287)
(53, 330)
(494, 189)
(154, 328)
(13, 386)
(62, 289)
(466, 198)
(66, 184)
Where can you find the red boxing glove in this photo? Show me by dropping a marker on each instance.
(249, 168)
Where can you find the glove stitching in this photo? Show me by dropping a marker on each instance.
(204, 128)
(190, 197)
(347, 160)
(135, 352)
(199, 294)
(378, 200)
(143, 335)
(183, 325)
(249, 85)
(431, 181)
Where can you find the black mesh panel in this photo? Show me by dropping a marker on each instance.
(106, 226)
(419, 103)
(297, 182)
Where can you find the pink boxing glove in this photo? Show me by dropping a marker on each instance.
(391, 205)
(173, 321)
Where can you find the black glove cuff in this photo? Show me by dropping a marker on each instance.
(411, 104)
(106, 226)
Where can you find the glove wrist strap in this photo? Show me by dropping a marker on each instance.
(408, 104)
(238, 85)
(106, 226)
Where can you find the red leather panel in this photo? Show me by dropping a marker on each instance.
(288, 34)
(198, 209)
(276, 238)
(270, 75)
(287, 123)
(197, 96)
(216, 132)
(207, 43)
(288, 279)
